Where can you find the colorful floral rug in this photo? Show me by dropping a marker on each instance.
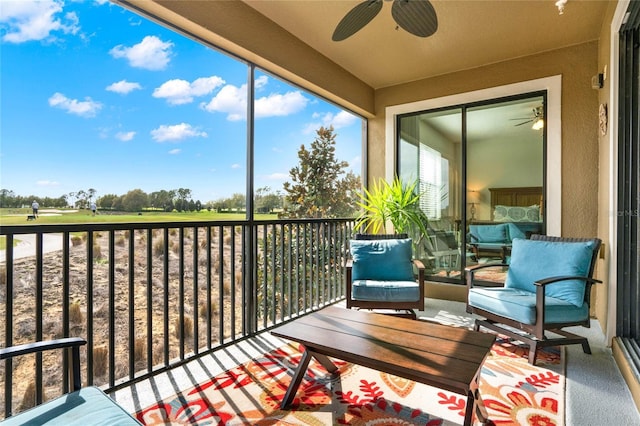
(514, 393)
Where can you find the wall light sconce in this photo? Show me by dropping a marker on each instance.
(473, 198)
(597, 81)
(560, 4)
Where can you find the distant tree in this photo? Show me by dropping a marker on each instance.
(135, 200)
(118, 203)
(7, 198)
(266, 200)
(238, 201)
(184, 195)
(320, 186)
(161, 199)
(106, 201)
(198, 206)
(91, 193)
(82, 199)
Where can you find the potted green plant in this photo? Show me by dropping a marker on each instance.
(394, 203)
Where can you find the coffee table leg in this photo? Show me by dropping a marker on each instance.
(299, 374)
(296, 380)
(476, 406)
(325, 362)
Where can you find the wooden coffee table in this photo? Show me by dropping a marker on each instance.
(445, 357)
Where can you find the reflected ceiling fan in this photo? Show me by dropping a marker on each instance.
(415, 16)
(537, 119)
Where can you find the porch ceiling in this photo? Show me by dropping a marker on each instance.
(471, 33)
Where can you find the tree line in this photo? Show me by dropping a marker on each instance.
(319, 187)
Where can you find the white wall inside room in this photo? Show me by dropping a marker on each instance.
(503, 163)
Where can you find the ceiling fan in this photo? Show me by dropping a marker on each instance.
(537, 118)
(415, 16)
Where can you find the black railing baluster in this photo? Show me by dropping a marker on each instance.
(196, 344)
(8, 326)
(39, 315)
(89, 283)
(209, 312)
(131, 306)
(149, 304)
(66, 292)
(180, 324)
(165, 290)
(232, 279)
(221, 338)
(111, 291)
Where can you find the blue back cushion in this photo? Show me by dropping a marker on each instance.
(532, 260)
(384, 260)
(488, 233)
(520, 230)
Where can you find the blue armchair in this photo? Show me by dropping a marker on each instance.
(380, 275)
(83, 406)
(547, 288)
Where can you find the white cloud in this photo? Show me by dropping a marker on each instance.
(260, 82)
(278, 176)
(123, 87)
(125, 136)
(341, 119)
(47, 183)
(24, 21)
(151, 53)
(176, 133)
(280, 105)
(86, 108)
(178, 92)
(232, 100)
(175, 151)
(236, 166)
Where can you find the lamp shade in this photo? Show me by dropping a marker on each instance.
(473, 197)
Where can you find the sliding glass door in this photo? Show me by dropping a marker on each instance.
(478, 165)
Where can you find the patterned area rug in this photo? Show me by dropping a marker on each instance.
(514, 393)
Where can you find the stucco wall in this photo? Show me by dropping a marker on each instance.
(577, 65)
(605, 178)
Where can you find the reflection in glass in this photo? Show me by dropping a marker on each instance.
(488, 180)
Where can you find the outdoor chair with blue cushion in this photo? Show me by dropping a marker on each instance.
(547, 288)
(82, 407)
(380, 275)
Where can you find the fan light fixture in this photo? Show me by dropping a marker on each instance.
(538, 124)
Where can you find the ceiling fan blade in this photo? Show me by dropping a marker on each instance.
(415, 16)
(357, 18)
(525, 122)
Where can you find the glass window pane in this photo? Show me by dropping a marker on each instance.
(430, 151)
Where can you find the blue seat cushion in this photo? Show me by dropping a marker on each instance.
(385, 291)
(88, 406)
(489, 233)
(533, 260)
(384, 260)
(520, 305)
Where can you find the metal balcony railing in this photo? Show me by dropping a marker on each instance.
(148, 297)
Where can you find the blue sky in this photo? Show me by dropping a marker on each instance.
(95, 96)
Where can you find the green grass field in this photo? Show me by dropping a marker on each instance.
(19, 217)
